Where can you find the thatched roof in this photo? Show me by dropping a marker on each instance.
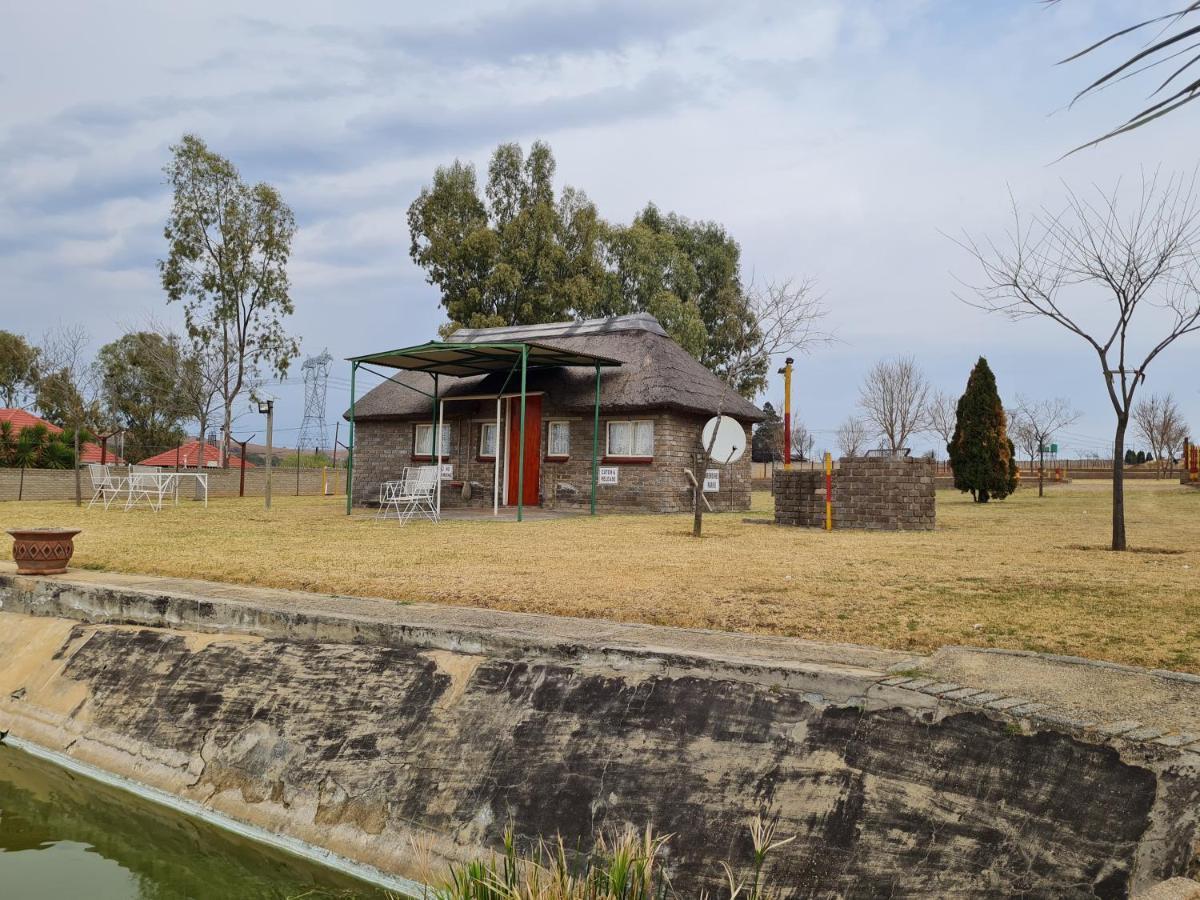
(655, 373)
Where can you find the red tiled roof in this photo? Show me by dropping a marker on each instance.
(185, 456)
(21, 420)
(88, 452)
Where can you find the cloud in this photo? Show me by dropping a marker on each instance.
(833, 138)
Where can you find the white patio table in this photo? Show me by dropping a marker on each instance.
(151, 486)
(201, 479)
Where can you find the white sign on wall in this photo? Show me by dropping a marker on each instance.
(447, 471)
(712, 481)
(607, 475)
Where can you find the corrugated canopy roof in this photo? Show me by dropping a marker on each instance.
(462, 359)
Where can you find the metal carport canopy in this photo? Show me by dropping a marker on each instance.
(462, 359)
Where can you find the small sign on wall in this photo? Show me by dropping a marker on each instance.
(712, 481)
(447, 471)
(607, 475)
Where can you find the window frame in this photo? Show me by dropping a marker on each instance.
(629, 458)
(550, 425)
(447, 444)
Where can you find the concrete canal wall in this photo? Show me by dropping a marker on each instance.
(367, 726)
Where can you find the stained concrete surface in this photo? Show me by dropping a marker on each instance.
(362, 725)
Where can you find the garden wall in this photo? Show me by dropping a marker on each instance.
(361, 725)
(59, 484)
(870, 492)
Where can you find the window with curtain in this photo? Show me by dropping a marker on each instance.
(487, 440)
(558, 440)
(423, 440)
(634, 438)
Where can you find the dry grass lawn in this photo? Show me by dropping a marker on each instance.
(1023, 573)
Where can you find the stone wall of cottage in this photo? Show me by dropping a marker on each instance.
(383, 448)
(869, 492)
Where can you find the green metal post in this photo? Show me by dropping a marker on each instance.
(521, 439)
(596, 440)
(350, 445)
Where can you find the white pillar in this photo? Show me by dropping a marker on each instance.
(437, 452)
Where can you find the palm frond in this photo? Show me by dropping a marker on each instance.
(1159, 51)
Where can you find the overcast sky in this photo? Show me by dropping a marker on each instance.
(834, 140)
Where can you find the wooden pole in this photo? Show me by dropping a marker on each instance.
(242, 474)
(333, 465)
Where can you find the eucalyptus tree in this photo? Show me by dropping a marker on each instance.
(139, 374)
(18, 369)
(228, 245)
(511, 252)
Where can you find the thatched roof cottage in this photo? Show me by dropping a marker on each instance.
(653, 401)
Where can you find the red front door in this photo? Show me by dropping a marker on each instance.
(533, 448)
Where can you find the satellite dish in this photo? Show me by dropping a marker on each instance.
(731, 439)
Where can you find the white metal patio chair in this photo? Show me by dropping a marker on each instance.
(390, 493)
(415, 494)
(105, 485)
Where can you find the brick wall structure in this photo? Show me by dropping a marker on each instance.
(877, 493)
(384, 447)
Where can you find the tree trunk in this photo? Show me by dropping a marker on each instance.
(203, 445)
(698, 498)
(1041, 472)
(1118, 510)
(983, 496)
(78, 473)
(226, 429)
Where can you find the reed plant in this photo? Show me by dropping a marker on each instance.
(623, 864)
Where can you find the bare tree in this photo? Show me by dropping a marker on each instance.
(69, 390)
(894, 398)
(1142, 258)
(1040, 421)
(786, 319)
(1022, 435)
(788, 314)
(1160, 424)
(852, 436)
(943, 417)
(802, 440)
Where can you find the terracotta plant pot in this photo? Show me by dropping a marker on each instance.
(43, 551)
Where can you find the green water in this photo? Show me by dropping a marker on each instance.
(66, 836)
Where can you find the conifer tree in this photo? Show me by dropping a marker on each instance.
(981, 454)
